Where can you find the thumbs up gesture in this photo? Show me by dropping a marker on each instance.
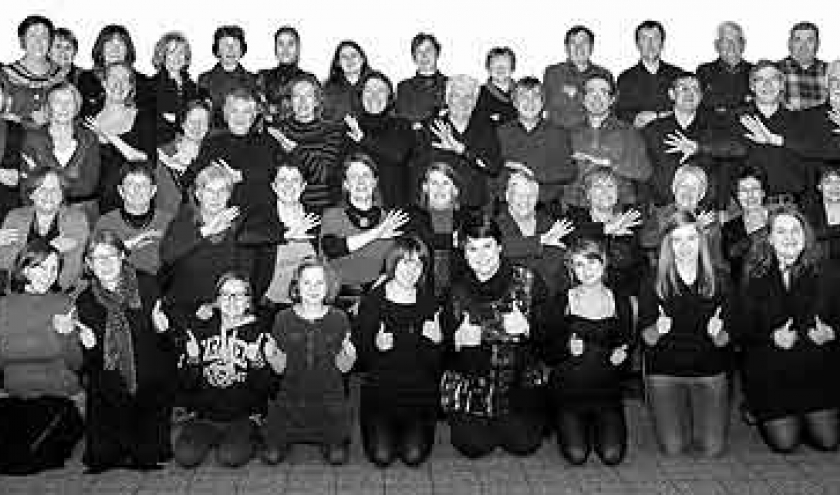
(159, 318)
(663, 323)
(784, 337)
(715, 324)
(252, 350)
(619, 355)
(468, 334)
(384, 340)
(515, 322)
(63, 322)
(86, 335)
(192, 348)
(346, 356)
(274, 355)
(575, 345)
(432, 329)
(821, 333)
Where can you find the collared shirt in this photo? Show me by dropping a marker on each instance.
(804, 87)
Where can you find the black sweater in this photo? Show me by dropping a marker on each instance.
(406, 376)
(687, 349)
(389, 140)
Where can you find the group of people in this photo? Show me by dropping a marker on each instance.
(196, 266)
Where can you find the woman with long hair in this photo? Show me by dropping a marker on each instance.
(788, 336)
(683, 314)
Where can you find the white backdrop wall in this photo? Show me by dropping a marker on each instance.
(466, 28)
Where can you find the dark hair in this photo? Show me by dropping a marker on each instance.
(405, 246)
(805, 26)
(194, 104)
(421, 38)
(33, 254)
(105, 35)
(527, 83)
(501, 51)
(604, 77)
(764, 64)
(748, 171)
(666, 282)
(34, 20)
(762, 256)
(367, 161)
(375, 74)
(336, 75)
(479, 226)
(589, 248)
(575, 30)
(108, 237)
(286, 30)
(683, 75)
(313, 81)
(230, 31)
(35, 178)
(331, 278)
(138, 168)
(67, 34)
(650, 24)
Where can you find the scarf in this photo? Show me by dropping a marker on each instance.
(118, 344)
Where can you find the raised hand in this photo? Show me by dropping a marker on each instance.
(353, 129)
(346, 356)
(706, 218)
(663, 323)
(515, 322)
(63, 244)
(677, 142)
(86, 335)
(9, 177)
(300, 230)
(143, 239)
(644, 118)
(784, 337)
(235, 174)
(275, 357)
(220, 222)
(63, 322)
(621, 224)
(519, 167)
(253, 350)
(576, 345)
(204, 312)
(91, 124)
(715, 324)
(467, 334)
(159, 318)
(390, 226)
(285, 142)
(821, 333)
(619, 355)
(758, 132)
(192, 348)
(560, 229)
(447, 141)
(432, 329)
(384, 340)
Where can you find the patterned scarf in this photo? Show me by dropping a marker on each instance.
(118, 344)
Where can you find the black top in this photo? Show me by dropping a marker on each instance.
(579, 380)
(736, 244)
(405, 377)
(726, 88)
(273, 84)
(141, 137)
(639, 90)
(389, 140)
(172, 100)
(420, 97)
(494, 104)
(688, 349)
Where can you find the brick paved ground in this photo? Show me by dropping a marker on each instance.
(747, 469)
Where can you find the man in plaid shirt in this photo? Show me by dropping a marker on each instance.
(805, 83)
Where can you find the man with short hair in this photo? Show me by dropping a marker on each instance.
(804, 73)
(563, 82)
(643, 88)
(537, 145)
(725, 82)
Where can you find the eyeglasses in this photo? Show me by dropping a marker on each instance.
(236, 296)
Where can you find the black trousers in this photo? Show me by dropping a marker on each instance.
(600, 426)
(37, 434)
(387, 436)
(518, 433)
